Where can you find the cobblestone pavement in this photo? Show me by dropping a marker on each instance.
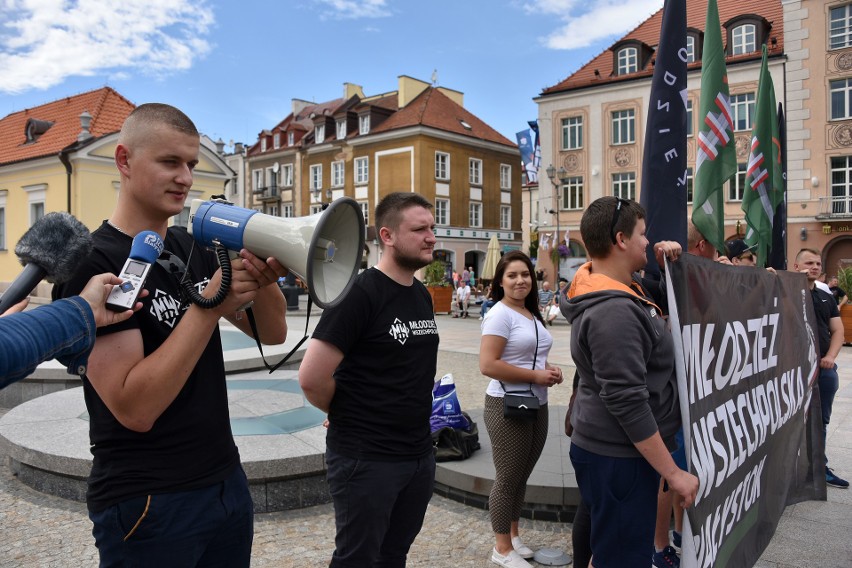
(38, 530)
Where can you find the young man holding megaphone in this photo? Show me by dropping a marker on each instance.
(167, 487)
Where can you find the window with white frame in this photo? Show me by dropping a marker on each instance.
(364, 124)
(337, 174)
(841, 98)
(365, 211)
(628, 60)
(287, 210)
(689, 184)
(442, 211)
(362, 170)
(3, 227)
(841, 185)
(319, 133)
(290, 138)
(624, 185)
(505, 176)
(742, 111)
(316, 209)
(475, 217)
(689, 127)
(572, 193)
(475, 169)
(744, 39)
(287, 175)
(442, 165)
(690, 48)
(341, 129)
(258, 180)
(263, 144)
(840, 27)
(272, 177)
(505, 217)
(36, 211)
(276, 140)
(737, 184)
(316, 177)
(572, 133)
(272, 211)
(623, 126)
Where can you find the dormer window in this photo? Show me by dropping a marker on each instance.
(364, 124)
(35, 128)
(319, 134)
(263, 144)
(746, 33)
(744, 39)
(628, 60)
(276, 140)
(690, 49)
(341, 129)
(290, 138)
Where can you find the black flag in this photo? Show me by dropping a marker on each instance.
(663, 193)
(778, 252)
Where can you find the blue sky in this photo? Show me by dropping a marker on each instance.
(233, 67)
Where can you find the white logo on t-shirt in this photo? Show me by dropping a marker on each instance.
(399, 331)
(165, 307)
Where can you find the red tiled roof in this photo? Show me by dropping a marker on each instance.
(434, 109)
(107, 107)
(648, 32)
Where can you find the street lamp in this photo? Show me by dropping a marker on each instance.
(552, 173)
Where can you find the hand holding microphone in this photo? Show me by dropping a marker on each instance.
(144, 251)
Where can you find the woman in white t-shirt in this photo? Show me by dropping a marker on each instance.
(514, 349)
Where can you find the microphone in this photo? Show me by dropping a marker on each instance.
(52, 248)
(144, 251)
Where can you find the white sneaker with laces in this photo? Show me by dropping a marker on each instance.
(511, 560)
(522, 549)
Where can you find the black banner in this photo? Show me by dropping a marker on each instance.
(746, 362)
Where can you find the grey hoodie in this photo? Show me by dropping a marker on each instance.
(624, 354)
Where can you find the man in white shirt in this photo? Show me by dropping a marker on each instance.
(462, 299)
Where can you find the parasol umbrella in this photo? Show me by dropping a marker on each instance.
(492, 257)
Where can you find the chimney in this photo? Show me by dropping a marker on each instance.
(85, 122)
(220, 147)
(238, 148)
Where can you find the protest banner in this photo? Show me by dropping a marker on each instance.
(746, 362)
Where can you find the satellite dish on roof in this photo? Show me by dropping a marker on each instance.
(276, 167)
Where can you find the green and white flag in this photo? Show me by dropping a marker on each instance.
(764, 185)
(716, 161)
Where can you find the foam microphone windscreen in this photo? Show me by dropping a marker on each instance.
(58, 243)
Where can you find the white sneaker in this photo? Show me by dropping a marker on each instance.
(511, 560)
(522, 549)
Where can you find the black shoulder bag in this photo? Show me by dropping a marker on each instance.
(520, 405)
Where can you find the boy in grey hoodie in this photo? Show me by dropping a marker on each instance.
(626, 412)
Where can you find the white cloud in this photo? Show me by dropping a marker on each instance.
(354, 9)
(585, 23)
(42, 42)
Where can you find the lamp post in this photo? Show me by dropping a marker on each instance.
(552, 174)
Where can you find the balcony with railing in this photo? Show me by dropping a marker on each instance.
(835, 207)
(268, 193)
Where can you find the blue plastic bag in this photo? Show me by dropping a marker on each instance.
(446, 410)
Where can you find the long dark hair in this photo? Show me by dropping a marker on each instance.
(497, 293)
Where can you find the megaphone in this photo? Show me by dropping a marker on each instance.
(324, 249)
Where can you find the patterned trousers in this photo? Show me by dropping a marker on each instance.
(516, 446)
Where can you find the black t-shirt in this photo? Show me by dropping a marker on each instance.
(837, 292)
(825, 308)
(383, 393)
(190, 444)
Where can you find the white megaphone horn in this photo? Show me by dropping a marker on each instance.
(324, 249)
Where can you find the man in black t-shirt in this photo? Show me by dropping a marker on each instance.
(830, 334)
(838, 292)
(166, 487)
(371, 365)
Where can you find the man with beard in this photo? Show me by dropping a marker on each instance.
(371, 365)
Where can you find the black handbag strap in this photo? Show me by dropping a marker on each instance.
(535, 358)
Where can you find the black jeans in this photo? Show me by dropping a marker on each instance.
(378, 508)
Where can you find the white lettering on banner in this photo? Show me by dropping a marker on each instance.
(726, 436)
(745, 349)
(721, 522)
